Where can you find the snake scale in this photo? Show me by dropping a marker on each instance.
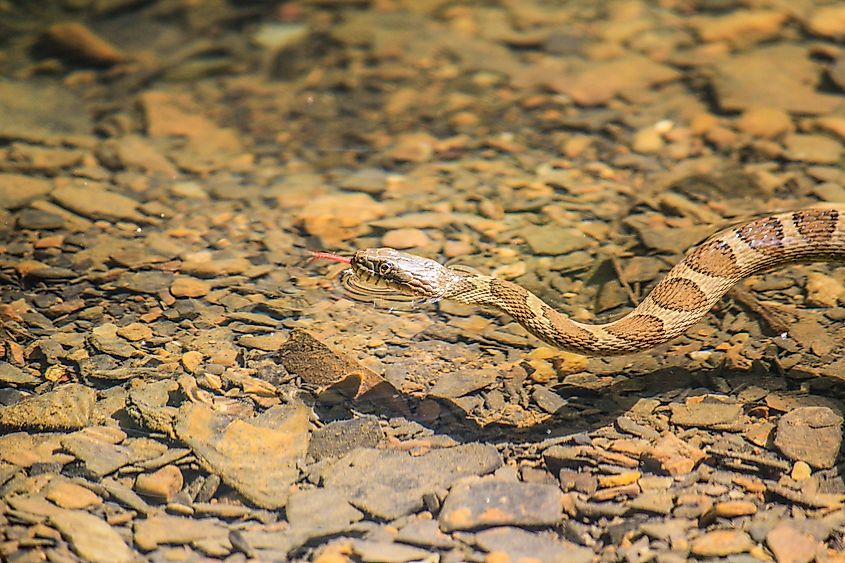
(678, 301)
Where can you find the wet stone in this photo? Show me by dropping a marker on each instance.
(36, 219)
(810, 434)
(258, 457)
(706, 414)
(674, 456)
(67, 407)
(500, 503)
(516, 544)
(145, 282)
(98, 203)
(425, 533)
(341, 437)
(92, 538)
(388, 484)
(17, 190)
(554, 240)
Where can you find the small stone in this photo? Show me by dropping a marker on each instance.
(507, 544)
(801, 471)
(741, 27)
(67, 407)
(98, 203)
(185, 286)
(789, 544)
(135, 332)
(162, 484)
(13, 375)
(620, 479)
(164, 529)
(405, 238)
(734, 508)
(721, 543)
(657, 502)
(828, 21)
(765, 122)
(342, 436)
(554, 240)
(496, 503)
(810, 434)
(72, 496)
(266, 342)
(91, 538)
(307, 509)
(816, 149)
(706, 414)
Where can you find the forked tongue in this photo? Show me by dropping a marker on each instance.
(320, 255)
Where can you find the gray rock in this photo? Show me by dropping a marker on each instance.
(706, 414)
(501, 503)
(13, 375)
(521, 545)
(101, 457)
(459, 383)
(553, 239)
(17, 190)
(341, 437)
(810, 434)
(323, 508)
(91, 538)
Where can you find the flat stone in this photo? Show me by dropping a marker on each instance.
(135, 332)
(516, 544)
(91, 538)
(426, 533)
(325, 508)
(675, 456)
(17, 190)
(338, 438)
(258, 457)
(67, 407)
(389, 484)
(98, 203)
(706, 414)
(553, 239)
(790, 544)
(459, 383)
(162, 484)
(186, 286)
(501, 503)
(164, 529)
(101, 457)
(72, 496)
(13, 375)
(817, 149)
(810, 434)
(657, 502)
(145, 282)
(721, 543)
(388, 552)
(25, 450)
(78, 41)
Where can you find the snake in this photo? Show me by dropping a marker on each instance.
(679, 300)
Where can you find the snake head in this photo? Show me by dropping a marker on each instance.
(400, 271)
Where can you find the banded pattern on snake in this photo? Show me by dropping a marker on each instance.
(678, 301)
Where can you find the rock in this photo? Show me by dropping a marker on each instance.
(98, 203)
(389, 484)
(721, 543)
(17, 190)
(647, 140)
(68, 407)
(267, 342)
(25, 450)
(101, 457)
(823, 290)
(163, 529)
(781, 77)
(36, 219)
(258, 457)
(767, 123)
(734, 508)
(600, 81)
(145, 282)
(72, 496)
(339, 217)
(340, 437)
(79, 41)
(405, 238)
(459, 383)
(514, 544)
(675, 456)
(801, 471)
(13, 375)
(135, 332)
(816, 149)
(324, 508)
(554, 240)
(388, 552)
(810, 434)
(828, 21)
(426, 533)
(210, 266)
(162, 484)
(91, 538)
(185, 286)
(741, 27)
(654, 502)
(789, 544)
(706, 414)
(500, 503)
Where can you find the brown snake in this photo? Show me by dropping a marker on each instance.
(683, 297)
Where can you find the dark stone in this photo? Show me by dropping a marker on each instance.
(341, 437)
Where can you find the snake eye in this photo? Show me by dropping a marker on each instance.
(384, 268)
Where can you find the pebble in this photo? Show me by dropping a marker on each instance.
(554, 240)
(340, 437)
(789, 544)
(801, 471)
(307, 510)
(828, 21)
(675, 456)
(404, 239)
(515, 544)
(734, 508)
(810, 434)
(706, 414)
(823, 290)
(92, 538)
(816, 149)
(77, 39)
(647, 140)
(162, 484)
(135, 332)
(98, 203)
(17, 190)
(72, 496)
(489, 503)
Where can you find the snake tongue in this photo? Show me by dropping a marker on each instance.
(319, 255)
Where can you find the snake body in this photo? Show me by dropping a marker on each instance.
(677, 302)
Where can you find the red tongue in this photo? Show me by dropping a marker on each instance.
(318, 255)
